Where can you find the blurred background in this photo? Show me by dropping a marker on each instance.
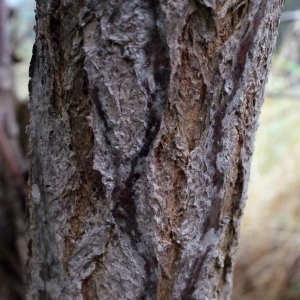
(268, 260)
(16, 40)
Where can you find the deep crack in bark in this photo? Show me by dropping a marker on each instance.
(124, 193)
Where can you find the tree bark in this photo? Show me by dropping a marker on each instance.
(143, 116)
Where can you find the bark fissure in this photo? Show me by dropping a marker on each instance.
(124, 194)
(213, 219)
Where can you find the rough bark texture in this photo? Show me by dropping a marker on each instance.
(143, 115)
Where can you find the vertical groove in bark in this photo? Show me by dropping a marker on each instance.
(139, 172)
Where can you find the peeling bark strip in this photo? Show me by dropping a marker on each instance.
(143, 115)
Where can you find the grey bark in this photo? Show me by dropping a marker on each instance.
(143, 116)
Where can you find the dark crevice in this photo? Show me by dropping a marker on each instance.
(213, 217)
(196, 272)
(124, 194)
(238, 187)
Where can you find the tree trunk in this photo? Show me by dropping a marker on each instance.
(143, 116)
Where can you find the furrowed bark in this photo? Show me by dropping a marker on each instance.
(143, 115)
